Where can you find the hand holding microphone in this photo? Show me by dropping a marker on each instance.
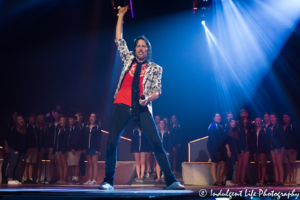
(143, 101)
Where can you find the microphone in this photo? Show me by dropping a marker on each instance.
(143, 97)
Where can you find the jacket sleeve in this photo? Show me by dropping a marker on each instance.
(156, 85)
(14, 139)
(75, 143)
(225, 138)
(99, 138)
(123, 49)
(170, 149)
(65, 142)
(85, 138)
(48, 142)
(44, 138)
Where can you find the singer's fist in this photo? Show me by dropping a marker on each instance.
(143, 102)
(122, 11)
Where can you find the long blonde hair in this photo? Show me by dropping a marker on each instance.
(166, 128)
(21, 129)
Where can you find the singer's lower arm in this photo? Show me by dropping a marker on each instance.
(153, 96)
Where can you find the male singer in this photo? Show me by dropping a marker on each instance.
(139, 85)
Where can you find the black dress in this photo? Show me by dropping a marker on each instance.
(275, 136)
(245, 142)
(261, 141)
(139, 142)
(216, 143)
(232, 143)
(166, 141)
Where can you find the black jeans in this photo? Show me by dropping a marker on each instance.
(121, 116)
(14, 164)
(4, 165)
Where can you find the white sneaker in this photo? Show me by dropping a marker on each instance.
(230, 183)
(63, 183)
(13, 182)
(162, 176)
(175, 186)
(147, 175)
(94, 182)
(105, 186)
(88, 182)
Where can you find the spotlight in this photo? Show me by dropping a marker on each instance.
(203, 23)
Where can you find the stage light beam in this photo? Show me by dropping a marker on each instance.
(203, 23)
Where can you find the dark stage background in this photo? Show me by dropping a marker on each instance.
(63, 52)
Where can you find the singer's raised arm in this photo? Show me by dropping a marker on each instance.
(122, 11)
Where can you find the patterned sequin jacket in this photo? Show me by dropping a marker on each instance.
(152, 78)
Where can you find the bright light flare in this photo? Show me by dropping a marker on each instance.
(203, 23)
(247, 39)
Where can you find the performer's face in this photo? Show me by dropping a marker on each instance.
(72, 121)
(79, 117)
(40, 119)
(258, 122)
(93, 118)
(233, 123)
(141, 50)
(217, 118)
(286, 119)
(56, 115)
(162, 124)
(229, 116)
(63, 122)
(267, 118)
(31, 120)
(21, 120)
(273, 119)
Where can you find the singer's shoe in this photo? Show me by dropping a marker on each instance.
(106, 186)
(175, 186)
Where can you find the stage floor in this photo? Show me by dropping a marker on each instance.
(127, 191)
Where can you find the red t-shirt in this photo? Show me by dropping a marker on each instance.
(124, 94)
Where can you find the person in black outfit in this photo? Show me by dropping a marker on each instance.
(41, 131)
(32, 149)
(217, 146)
(245, 143)
(276, 142)
(5, 136)
(260, 149)
(139, 148)
(82, 138)
(291, 140)
(51, 141)
(93, 137)
(245, 148)
(232, 139)
(74, 148)
(60, 150)
(17, 149)
(176, 141)
(166, 139)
